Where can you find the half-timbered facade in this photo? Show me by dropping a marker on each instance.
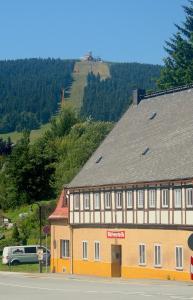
(130, 208)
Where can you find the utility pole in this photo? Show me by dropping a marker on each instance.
(40, 231)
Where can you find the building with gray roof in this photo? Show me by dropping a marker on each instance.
(130, 208)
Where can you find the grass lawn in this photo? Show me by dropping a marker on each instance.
(26, 268)
(34, 135)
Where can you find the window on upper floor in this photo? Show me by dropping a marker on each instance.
(129, 199)
(152, 198)
(177, 198)
(86, 199)
(107, 200)
(140, 198)
(118, 199)
(76, 199)
(165, 198)
(189, 198)
(96, 201)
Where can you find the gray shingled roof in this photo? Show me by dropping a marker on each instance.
(169, 137)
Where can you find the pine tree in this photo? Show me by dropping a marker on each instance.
(178, 68)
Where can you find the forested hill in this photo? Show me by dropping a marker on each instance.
(108, 99)
(30, 91)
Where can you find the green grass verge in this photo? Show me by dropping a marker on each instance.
(13, 214)
(25, 268)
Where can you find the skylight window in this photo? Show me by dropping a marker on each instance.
(145, 151)
(99, 159)
(152, 115)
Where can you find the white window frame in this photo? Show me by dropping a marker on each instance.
(156, 264)
(129, 199)
(85, 250)
(64, 248)
(97, 250)
(107, 196)
(96, 199)
(86, 201)
(179, 261)
(165, 198)
(152, 198)
(177, 198)
(189, 197)
(142, 254)
(118, 199)
(76, 201)
(140, 198)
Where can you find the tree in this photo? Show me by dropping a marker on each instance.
(62, 124)
(108, 99)
(178, 69)
(15, 234)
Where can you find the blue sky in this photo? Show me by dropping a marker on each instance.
(116, 30)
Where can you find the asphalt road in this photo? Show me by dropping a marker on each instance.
(15, 286)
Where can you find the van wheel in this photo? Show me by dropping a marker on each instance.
(15, 263)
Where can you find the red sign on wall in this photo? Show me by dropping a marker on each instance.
(115, 234)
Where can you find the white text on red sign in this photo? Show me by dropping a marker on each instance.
(115, 234)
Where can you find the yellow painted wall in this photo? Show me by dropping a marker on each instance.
(92, 268)
(59, 231)
(168, 239)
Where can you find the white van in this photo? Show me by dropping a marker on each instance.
(15, 255)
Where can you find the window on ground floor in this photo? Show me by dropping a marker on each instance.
(85, 250)
(157, 255)
(64, 249)
(142, 254)
(179, 257)
(97, 250)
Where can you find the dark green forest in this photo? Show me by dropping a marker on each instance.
(30, 91)
(108, 99)
(178, 68)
